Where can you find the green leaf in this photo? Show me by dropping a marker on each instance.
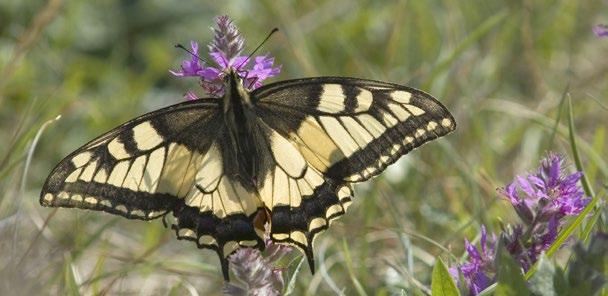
(587, 272)
(560, 283)
(442, 282)
(510, 278)
(542, 281)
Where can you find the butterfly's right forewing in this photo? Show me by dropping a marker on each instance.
(337, 131)
(352, 129)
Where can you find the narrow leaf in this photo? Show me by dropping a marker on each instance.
(70, 285)
(575, 154)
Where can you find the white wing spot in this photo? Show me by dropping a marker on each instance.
(398, 110)
(401, 96)
(73, 176)
(90, 200)
(121, 208)
(414, 110)
(138, 213)
(280, 236)
(299, 237)
(395, 148)
(82, 159)
(87, 175)
(117, 149)
(419, 132)
(356, 131)
(153, 170)
(446, 122)
(135, 174)
(364, 100)
(101, 177)
(248, 243)
(207, 240)
(229, 247)
(48, 197)
(118, 173)
(146, 137)
(431, 126)
(185, 232)
(372, 125)
(333, 210)
(332, 99)
(340, 136)
(316, 223)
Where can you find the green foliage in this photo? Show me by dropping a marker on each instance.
(509, 275)
(586, 274)
(442, 283)
(500, 66)
(588, 271)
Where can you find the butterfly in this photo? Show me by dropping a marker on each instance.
(286, 154)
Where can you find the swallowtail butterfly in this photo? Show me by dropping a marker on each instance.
(286, 153)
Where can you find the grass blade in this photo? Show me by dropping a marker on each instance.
(575, 154)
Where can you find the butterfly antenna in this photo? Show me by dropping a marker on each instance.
(256, 49)
(190, 52)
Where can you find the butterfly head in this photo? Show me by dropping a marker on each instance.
(236, 91)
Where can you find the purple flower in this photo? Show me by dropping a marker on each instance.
(541, 199)
(258, 271)
(190, 67)
(478, 272)
(601, 30)
(549, 193)
(225, 50)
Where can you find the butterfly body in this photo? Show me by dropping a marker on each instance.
(286, 153)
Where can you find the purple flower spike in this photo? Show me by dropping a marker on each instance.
(225, 50)
(541, 199)
(478, 270)
(601, 30)
(549, 193)
(227, 39)
(257, 272)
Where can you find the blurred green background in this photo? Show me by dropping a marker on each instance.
(501, 67)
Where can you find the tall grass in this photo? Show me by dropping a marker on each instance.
(501, 67)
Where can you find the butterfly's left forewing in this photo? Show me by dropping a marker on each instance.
(172, 160)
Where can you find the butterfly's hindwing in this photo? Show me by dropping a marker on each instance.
(301, 200)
